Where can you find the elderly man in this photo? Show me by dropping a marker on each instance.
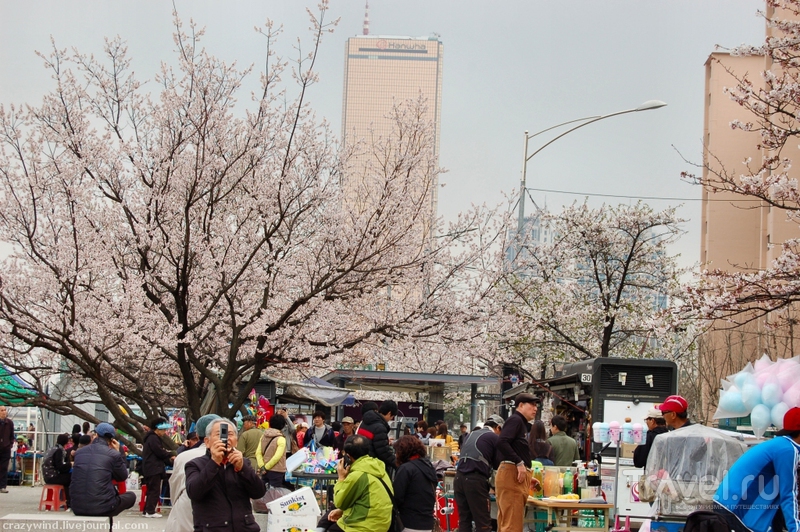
(6, 443)
(362, 493)
(94, 469)
(221, 483)
(478, 458)
(673, 409)
(348, 429)
(655, 426)
(249, 439)
(513, 475)
(180, 517)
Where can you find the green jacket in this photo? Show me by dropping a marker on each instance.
(365, 505)
(565, 449)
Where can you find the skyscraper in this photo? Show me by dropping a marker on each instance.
(381, 72)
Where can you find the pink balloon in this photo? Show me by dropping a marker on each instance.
(792, 396)
(789, 375)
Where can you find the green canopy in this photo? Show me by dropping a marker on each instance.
(13, 390)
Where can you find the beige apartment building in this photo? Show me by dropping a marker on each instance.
(738, 233)
(381, 72)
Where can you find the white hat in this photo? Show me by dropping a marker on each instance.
(654, 413)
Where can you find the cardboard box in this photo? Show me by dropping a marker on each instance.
(291, 523)
(300, 502)
(626, 451)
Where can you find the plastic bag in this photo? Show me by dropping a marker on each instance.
(260, 505)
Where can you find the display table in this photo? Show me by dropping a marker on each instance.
(563, 515)
(322, 485)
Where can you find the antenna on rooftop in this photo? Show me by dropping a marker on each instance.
(366, 19)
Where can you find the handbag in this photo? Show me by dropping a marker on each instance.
(397, 523)
(646, 492)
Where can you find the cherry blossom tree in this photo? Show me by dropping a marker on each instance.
(602, 287)
(170, 246)
(770, 111)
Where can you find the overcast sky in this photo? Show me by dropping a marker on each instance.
(509, 66)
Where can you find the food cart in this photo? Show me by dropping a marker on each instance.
(684, 469)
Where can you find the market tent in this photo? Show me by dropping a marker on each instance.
(315, 390)
(13, 390)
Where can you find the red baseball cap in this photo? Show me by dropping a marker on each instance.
(791, 422)
(674, 403)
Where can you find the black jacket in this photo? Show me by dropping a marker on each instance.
(376, 429)
(154, 456)
(95, 466)
(328, 437)
(415, 493)
(6, 434)
(221, 496)
(54, 463)
(642, 451)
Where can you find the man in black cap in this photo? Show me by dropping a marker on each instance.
(95, 466)
(478, 458)
(513, 479)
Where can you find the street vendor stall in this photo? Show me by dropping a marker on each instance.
(685, 468)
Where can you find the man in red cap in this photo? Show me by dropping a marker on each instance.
(760, 492)
(674, 411)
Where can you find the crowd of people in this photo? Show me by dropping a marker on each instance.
(218, 470)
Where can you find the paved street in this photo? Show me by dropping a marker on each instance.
(19, 510)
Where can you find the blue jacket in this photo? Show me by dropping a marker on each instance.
(761, 482)
(95, 466)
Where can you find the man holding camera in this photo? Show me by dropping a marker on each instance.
(221, 483)
(95, 466)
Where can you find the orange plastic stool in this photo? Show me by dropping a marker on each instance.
(53, 498)
(144, 497)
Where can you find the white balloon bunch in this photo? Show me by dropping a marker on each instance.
(764, 390)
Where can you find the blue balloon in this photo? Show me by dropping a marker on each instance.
(751, 396)
(771, 394)
(760, 419)
(778, 411)
(730, 401)
(743, 378)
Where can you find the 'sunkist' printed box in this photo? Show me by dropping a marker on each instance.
(291, 523)
(300, 502)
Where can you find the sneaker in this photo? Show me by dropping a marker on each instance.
(3, 490)
(154, 516)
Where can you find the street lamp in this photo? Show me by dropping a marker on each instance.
(646, 106)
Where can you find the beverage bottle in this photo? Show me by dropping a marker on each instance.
(568, 480)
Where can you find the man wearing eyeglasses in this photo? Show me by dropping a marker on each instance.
(655, 426)
(674, 411)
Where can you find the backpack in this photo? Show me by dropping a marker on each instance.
(706, 521)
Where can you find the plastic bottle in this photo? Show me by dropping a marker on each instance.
(568, 481)
(537, 488)
(627, 431)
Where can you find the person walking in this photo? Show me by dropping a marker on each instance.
(6, 443)
(478, 458)
(154, 460)
(565, 448)
(414, 484)
(513, 479)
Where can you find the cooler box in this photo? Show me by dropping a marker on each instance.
(298, 503)
(291, 523)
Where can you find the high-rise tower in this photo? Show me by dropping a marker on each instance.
(381, 72)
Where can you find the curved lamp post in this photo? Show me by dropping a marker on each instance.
(646, 106)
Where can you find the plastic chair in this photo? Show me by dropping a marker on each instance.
(53, 498)
(143, 498)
